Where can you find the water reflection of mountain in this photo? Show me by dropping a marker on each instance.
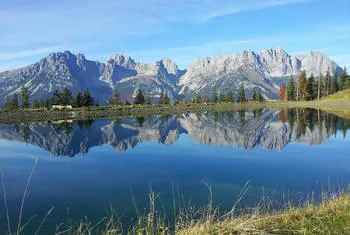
(246, 129)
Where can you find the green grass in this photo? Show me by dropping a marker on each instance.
(332, 216)
(341, 96)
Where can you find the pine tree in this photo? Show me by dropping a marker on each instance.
(56, 97)
(148, 98)
(7, 104)
(283, 92)
(215, 95)
(25, 97)
(302, 85)
(87, 99)
(229, 96)
(327, 83)
(42, 103)
(78, 100)
(161, 98)
(320, 86)
(255, 96)
(166, 98)
(66, 97)
(115, 99)
(343, 77)
(36, 104)
(198, 98)
(260, 98)
(334, 84)
(241, 94)
(222, 96)
(139, 98)
(291, 92)
(310, 88)
(14, 103)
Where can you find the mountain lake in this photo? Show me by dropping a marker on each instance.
(81, 169)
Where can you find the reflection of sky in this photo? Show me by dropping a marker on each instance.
(87, 183)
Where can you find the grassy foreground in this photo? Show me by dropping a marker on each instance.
(332, 216)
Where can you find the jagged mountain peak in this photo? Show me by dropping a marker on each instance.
(122, 60)
(266, 70)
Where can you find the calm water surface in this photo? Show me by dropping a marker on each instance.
(84, 167)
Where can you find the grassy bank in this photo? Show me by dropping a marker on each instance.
(32, 115)
(331, 216)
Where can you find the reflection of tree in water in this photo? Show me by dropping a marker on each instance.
(241, 117)
(67, 127)
(309, 118)
(85, 124)
(301, 119)
(257, 112)
(140, 120)
(282, 115)
(26, 132)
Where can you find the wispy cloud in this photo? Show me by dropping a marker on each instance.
(28, 53)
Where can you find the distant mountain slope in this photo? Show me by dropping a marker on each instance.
(265, 70)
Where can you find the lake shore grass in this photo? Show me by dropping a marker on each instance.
(331, 216)
(94, 112)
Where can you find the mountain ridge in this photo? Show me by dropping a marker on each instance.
(265, 70)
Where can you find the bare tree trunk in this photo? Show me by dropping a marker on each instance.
(319, 88)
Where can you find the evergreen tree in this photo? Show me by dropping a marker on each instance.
(255, 96)
(79, 100)
(115, 99)
(198, 98)
(139, 98)
(327, 83)
(291, 91)
(66, 97)
(36, 104)
(87, 99)
(229, 96)
(25, 97)
(42, 103)
(334, 84)
(222, 96)
(310, 88)
(56, 97)
(302, 85)
(166, 98)
(8, 103)
(320, 86)
(177, 101)
(343, 77)
(148, 98)
(241, 94)
(260, 98)
(215, 95)
(161, 98)
(14, 103)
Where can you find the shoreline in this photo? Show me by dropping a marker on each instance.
(95, 112)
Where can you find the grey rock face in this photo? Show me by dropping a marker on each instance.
(265, 70)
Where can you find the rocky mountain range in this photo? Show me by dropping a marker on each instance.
(246, 129)
(265, 70)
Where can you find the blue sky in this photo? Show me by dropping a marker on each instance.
(182, 30)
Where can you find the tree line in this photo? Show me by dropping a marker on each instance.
(311, 88)
(65, 97)
(58, 98)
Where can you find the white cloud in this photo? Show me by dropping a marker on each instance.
(28, 53)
